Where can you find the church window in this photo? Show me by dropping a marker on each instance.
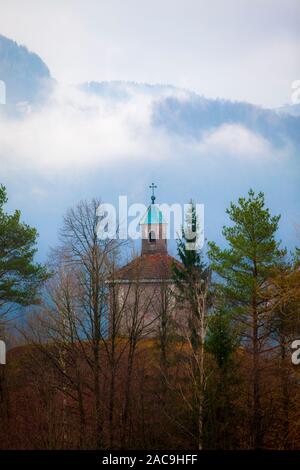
(152, 238)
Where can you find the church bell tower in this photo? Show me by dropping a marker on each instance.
(153, 229)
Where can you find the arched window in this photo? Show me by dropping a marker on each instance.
(152, 238)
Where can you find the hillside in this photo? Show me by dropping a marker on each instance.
(26, 76)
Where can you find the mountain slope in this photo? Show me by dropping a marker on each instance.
(196, 115)
(26, 76)
(186, 114)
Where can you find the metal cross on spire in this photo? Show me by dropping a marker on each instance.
(153, 195)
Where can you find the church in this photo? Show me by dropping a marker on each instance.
(143, 289)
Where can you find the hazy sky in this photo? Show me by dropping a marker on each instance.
(238, 49)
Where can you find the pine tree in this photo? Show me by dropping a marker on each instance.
(192, 280)
(20, 277)
(222, 337)
(223, 412)
(244, 269)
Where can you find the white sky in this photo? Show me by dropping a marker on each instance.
(237, 49)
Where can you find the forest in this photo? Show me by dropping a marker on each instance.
(211, 369)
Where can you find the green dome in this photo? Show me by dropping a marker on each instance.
(152, 216)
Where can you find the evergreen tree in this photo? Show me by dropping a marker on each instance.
(222, 338)
(20, 277)
(245, 268)
(192, 280)
(223, 411)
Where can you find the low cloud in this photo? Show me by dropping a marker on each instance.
(237, 142)
(76, 130)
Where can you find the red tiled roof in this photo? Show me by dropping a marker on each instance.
(148, 267)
